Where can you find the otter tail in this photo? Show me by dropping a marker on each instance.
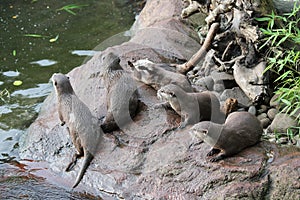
(88, 157)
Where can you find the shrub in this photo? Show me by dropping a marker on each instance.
(282, 37)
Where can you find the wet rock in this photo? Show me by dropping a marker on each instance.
(272, 113)
(262, 109)
(274, 101)
(250, 80)
(238, 94)
(262, 116)
(283, 176)
(252, 110)
(157, 161)
(265, 122)
(219, 87)
(206, 83)
(222, 77)
(281, 123)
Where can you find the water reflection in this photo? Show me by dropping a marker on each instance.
(44, 62)
(11, 73)
(84, 52)
(31, 53)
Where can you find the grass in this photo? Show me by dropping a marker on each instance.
(69, 8)
(282, 38)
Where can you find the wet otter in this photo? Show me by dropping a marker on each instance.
(240, 130)
(156, 76)
(83, 127)
(192, 107)
(122, 95)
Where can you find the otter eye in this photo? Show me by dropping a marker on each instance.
(205, 132)
(68, 77)
(172, 94)
(55, 83)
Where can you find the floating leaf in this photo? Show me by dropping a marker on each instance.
(14, 53)
(54, 39)
(15, 16)
(69, 8)
(34, 35)
(17, 83)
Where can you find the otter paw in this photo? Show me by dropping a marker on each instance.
(161, 105)
(213, 152)
(217, 158)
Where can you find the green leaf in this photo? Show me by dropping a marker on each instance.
(263, 19)
(54, 39)
(282, 40)
(34, 35)
(17, 83)
(69, 8)
(14, 53)
(285, 102)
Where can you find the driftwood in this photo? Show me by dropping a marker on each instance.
(195, 59)
(235, 44)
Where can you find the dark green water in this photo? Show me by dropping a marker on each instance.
(29, 55)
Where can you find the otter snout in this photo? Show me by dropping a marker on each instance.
(200, 134)
(165, 95)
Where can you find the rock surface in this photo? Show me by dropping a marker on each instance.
(158, 162)
(282, 122)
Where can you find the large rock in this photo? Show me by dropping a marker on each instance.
(159, 162)
(282, 122)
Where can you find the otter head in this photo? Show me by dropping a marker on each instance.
(167, 93)
(171, 92)
(62, 84)
(144, 71)
(207, 131)
(110, 61)
(200, 130)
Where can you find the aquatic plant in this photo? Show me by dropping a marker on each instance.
(42, 36)
(69, 8)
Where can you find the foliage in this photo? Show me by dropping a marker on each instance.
(282, 36)
(70, 8)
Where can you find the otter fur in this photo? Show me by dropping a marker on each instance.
(83, 127)
(156, 76)
(122, 96)
(240, 130)
(192, 107)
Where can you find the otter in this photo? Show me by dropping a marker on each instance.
(156, 76)
(192, 107)
(83, 127)
(122, 97)
(240, 130)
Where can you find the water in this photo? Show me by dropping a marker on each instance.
(38, 38)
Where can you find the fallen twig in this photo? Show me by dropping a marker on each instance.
(195, 59)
